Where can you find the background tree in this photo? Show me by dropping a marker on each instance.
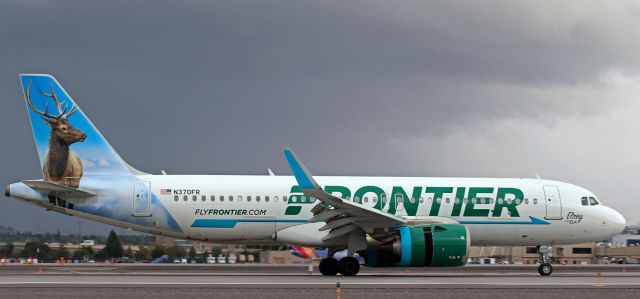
(84, 253)
(59, 252)
(192, 253)
(7, 251)
(143, 253)
(176, 251)
(129, 252)
(158, 251)
(36, 249)
(113, 246)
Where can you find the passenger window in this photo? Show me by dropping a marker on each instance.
(535, 201)
(213, 198)
(284, 199)
(248, 197)
(585, 201)
(231, 198)
(257, 197)
(175, 197)
(421, 199)
(439, 200)
(185, 198)
(356, 199)
(457, 201)
(412, 200)
(593, 201)
(500, 201)
(266, 198)
(447, 200)
(518, 201)
(526, 201)
(221, 197)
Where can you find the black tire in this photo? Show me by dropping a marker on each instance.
(545, 269)
(348, 266)
(328, 266)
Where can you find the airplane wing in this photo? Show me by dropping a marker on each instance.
(342, 217)
(64, 192)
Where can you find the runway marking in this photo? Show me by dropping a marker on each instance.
(260, 285)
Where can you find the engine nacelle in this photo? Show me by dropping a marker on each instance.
(433, 245)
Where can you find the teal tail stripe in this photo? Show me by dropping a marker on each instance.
(534, 220)
(231, 223)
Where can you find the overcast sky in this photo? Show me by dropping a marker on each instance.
(402, 88)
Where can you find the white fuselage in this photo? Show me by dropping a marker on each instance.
(260, 209)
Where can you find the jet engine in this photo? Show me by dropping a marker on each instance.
(432, 245)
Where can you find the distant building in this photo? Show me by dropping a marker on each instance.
(625, 240)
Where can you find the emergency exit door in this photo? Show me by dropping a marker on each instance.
(141, 199)
(553, 202)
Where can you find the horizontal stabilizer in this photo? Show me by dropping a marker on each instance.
(64, 192)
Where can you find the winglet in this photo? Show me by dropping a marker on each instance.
(304, 178)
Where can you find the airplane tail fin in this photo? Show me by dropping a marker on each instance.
(69, 145)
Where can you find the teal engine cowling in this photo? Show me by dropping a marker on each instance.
(433, 245)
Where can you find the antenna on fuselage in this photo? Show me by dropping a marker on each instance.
(270, 172)
(538, 176)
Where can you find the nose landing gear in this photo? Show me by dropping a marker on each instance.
(545, 268)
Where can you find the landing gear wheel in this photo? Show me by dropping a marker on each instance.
(545, 269)
(348, 266)
(328, 266)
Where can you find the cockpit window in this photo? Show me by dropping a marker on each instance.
(585, 201)
(593, 201)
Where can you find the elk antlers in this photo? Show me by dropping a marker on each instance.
(62, 110)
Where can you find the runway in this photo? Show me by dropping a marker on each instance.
(267, 281)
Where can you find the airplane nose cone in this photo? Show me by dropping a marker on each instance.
(617, 221)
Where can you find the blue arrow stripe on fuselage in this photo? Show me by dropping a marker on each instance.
(534, 221)
(231, 223)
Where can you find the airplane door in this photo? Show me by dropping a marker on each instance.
(141, 199)
(553, 202)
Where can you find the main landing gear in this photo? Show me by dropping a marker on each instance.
(347, 266)
(545, 268)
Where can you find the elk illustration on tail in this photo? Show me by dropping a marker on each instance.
(61, 166)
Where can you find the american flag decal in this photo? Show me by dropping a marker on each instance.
(165, 191)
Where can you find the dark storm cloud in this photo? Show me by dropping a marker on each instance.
(356, 87)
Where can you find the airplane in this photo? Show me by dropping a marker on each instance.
(389, 221)
(315, 253)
